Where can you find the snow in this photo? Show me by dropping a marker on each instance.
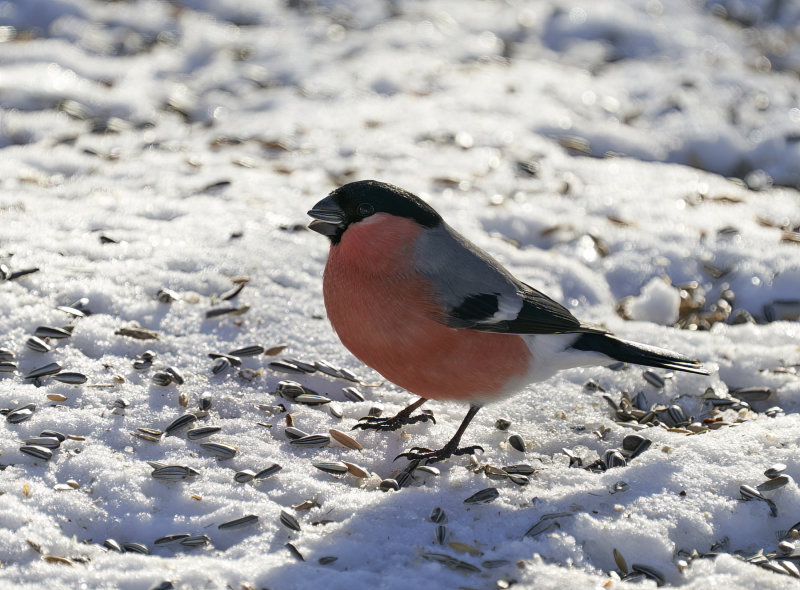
(594, 148)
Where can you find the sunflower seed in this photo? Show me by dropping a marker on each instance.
(440, 534)
(519, 469)
(21, 413)
(232, 292)
(520, 480)
(648, 572)
(147, 437)
(113, 545)
(173, 472)
(220, 366)
(269, 471)
(121, 403)
(451, 562)
(613, 458)
(389, 484)
(202, 432)
(239, 522)
(312, 440)
(253, 350)
(162, 379)
(353, 394)
(71, 378)
(335, 410)
(356, 470)
(48, 442)
(71, 311)
(180, 422)
(235, 361)
(289, 521)
(205, 403)
(37, 452)
(483, 497)
(176, 376)
(622, 565)
(546, 523)
(170, 539)
(49, 369)
(36, 344)
(136, 548)
(502, 424)
(438, 516)
(618, 366)
(285, 367)
(774, 483)
(196, 541)
(302, 365)
(750, 493)
(51, 332)
(495, 563)
(295, 551)
(328, 559)
(223, 311)
(6, 355)
(517, 442)
(137, 333)
(244, 476)
(775, 470)
(140, 365)
(220, 450)
(349, 375)
(326, 368)
(495, 473)
(334, 467)
(7, 367)
(654, 379)
(156, 464)
(293, 433)
(54, 434)
(345, 440)
(167, 295)
(311, 399)
(753, 394)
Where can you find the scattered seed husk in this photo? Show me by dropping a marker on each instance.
(36, 344)
(440, 534)
(48, 442)
(654, 379)
(7, 355)
(312, 440)
(49, 369)
(426, 470)
(136, 548)
(517, 442)
(293, 433)
(495, 563)
(170, 539)
(389, 484)
(167, 295)
(295, 551)
(8, 367)
(234, 361)
(483, 497)
(775, 470)
(274, 350)
(137, 333)
(202, 432)
(51, 332)
(253, 350)
(71, 311)
(622, 565)
(336, 410)
(773, 483)
(753, 394)
(232, 292)
(147, 437)
(225, 311)
(327, 559)
(345, 440)
(37, 451)
(173, 472)
(56, 397)
(244, 476)
(311, 399)
(239, 522)
(180, 422)
(162, 379)
(196, 541)
(356, 470)
(176, 375)
(221, 365)
(353, 394)
(21, 414)
(120, 403)
(334, 467)
(113, 545)
(269, 471)
(54, 434)
(289, 521)
(520, 480)
(220, 450)
(546, 523)
(648, 572)
(451, 562)
(438, 516)
(519, 469)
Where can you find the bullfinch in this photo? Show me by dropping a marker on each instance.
(433, 313)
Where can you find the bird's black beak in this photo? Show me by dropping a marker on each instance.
(328, 217)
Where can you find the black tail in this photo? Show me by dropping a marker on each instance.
(638, 354)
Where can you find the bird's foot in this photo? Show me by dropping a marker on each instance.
(393, 423)
(427, 456)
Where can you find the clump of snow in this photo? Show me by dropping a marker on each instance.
(658, 302)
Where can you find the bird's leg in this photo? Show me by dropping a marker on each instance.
(451, 448)
(402, 418)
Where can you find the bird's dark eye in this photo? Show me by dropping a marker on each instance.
(365, 210)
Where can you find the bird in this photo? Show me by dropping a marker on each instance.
(436, 315)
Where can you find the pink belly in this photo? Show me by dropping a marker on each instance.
(386, 318)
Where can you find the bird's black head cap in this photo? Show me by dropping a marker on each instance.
(358, 200)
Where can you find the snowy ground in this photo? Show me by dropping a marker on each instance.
(596, 148)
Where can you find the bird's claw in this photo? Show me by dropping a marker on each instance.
(393, 423)
(429, 456)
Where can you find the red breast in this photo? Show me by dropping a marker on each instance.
(385, 314)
